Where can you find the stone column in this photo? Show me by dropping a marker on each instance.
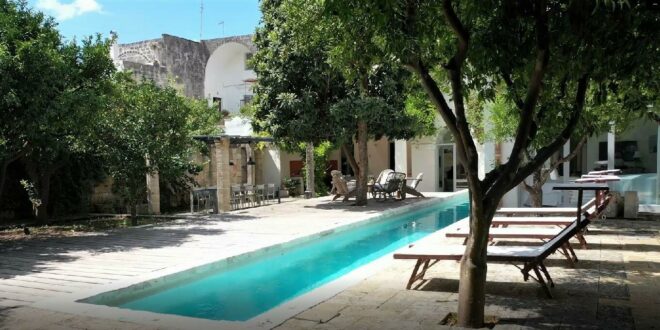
(153, 193)
(610, 148)
(657, 168)
(259, 167)
(567, 169)
(223, 173)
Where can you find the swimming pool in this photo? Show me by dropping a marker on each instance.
(645, 185)
(241, 290)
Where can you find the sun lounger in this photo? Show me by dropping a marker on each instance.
(519, 233)
(545, 211)
(525, 258)
(532, 221)
(588, 210)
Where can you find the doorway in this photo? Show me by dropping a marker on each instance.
(446, 167)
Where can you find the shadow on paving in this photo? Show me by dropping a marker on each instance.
(25, 256)
(373, 205)
(574, 305)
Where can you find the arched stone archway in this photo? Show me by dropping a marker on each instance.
(227, 76)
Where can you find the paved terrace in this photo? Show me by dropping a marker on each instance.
(616, 283)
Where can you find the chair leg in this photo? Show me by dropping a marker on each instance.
(539, 278)
(568, 255)
(413, 276)
(547, 275)
(583, 241)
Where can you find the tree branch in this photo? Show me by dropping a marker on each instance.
(438, 100)
(512, 90)
(454, 68)
(459, 31)
(544, 153)
(525, 126)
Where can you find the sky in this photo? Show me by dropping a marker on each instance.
(136, 20)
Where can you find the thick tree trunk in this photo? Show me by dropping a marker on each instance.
(536, 195)
(133, 210)
(350, 157)
(363, 163)
(44, 196)
(310, 168)
(472, 286)
(3, 176)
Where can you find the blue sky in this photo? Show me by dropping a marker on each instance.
(136, 20)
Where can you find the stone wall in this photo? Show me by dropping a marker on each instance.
(186, 61)
(213, 44)
(155, 73)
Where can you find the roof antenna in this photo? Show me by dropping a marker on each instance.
(201, 19)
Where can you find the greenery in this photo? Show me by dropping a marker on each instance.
(65, 114)
(51, 94)
(149, 129)
(308, 93)
(292, 187)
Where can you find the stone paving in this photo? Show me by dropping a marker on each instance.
(615, 285)
(39, 269)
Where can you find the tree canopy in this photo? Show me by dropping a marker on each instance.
(149, 129)
(306, 93)
(51, 91)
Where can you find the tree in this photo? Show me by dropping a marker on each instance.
(307, 94)
(51, 93)
(148, 129)
(541, 50)
(597, 118)
(296, 84)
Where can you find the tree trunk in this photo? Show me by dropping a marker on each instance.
(3, 175)
(350, 157)
(472, 286)
(133, 210)
(310, 168)
(44, 196)
(536, 195)
(363, 164)
(535, 190)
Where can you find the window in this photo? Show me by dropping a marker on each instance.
(246, 100)
(248, 65)
(217, 101)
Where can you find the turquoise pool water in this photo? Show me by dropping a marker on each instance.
(241, 290)
(645, 185)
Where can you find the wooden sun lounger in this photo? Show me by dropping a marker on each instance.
(532, 221)
(545, 211)
(525, 258)
(521, 233)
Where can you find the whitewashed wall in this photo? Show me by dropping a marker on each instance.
(226, 76)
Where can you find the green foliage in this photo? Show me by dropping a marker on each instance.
(321, 157)
(308, 93)
(292, 187)
(51, 93)
(296, 85)
(149, 129)
(32, 193)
